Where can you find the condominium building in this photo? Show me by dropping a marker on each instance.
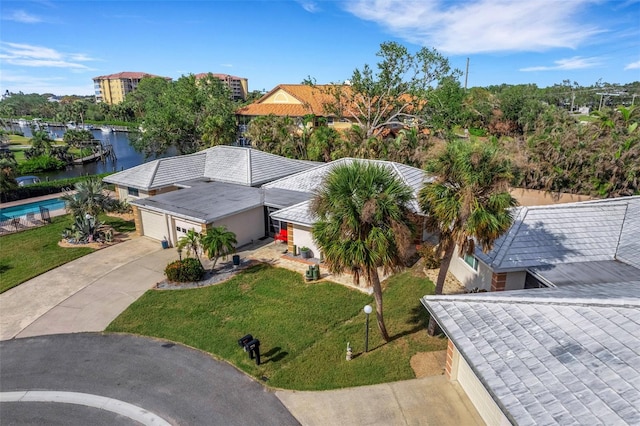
(239, 86)
(112, 89)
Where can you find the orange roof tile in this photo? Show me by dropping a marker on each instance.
(127, 75)
(312, 98)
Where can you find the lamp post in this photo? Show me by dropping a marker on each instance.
(367, 310)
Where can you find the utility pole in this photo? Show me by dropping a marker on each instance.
(466, 75)
(602, 95)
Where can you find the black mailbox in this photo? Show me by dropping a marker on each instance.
(242, 342)
(253, 347)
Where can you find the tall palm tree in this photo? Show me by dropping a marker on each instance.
(217, 243)
(363, 224)
(468, 201)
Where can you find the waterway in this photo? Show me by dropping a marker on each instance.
(126, 156)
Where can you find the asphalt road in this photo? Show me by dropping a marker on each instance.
(180, 385)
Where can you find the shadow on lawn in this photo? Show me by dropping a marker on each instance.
(274, 355)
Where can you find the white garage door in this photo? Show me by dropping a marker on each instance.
(154, 225)
(182, 227)
(475, 390)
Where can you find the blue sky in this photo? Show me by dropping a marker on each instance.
(59, 46)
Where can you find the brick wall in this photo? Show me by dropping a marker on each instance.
(498, 281)
(449, 363)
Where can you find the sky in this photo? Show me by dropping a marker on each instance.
(58, 47)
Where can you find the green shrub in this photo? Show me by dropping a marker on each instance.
(41, 164)
(477, 132)
(185, 270)
(43, 188)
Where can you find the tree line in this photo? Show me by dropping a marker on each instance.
(406, 108)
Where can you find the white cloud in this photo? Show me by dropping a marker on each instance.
(309, 5)
(31, 84)
(27, 55)
(480, 26)
(23, 17)
(575, 63)
(227, 65)
(633, 66)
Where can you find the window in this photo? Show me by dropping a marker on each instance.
(471, 261)
(132, 191)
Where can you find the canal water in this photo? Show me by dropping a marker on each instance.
(126, 156)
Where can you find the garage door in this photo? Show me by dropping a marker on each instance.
(475, 390)
(182, 227)
(154, 225)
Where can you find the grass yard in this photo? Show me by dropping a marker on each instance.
(303, 327)
(29, 253)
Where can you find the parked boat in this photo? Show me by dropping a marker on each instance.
(22, 122)
(106, 129)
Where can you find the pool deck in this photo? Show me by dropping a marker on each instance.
(30, 200)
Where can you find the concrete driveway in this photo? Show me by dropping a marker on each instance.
(85, 294)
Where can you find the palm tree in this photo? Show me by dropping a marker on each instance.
(90, 198)
(190, 241)
(468, 201)
(218, 242)
(363, 224)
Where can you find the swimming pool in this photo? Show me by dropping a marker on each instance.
(22, 210)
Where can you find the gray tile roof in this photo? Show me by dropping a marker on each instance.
(248, 166)
(245, 166)
(299, 214)
(205, 203)
(309, 180)
(566, 355)
(569, 233)
(160, 173)
(597, 272)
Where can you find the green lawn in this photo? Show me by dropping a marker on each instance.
(29, 253)
(303, 327)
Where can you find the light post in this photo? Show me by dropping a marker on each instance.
(367, 310)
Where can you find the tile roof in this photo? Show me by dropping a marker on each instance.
(576, 232)
(309, 180)
(127, 75)
(245, 166)
(566, 355)
(311, 100)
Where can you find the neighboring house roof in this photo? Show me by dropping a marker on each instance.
(204, 203)
(297, 100)
(568, 233)
(309, 180)
(241, 165)
(566, 355)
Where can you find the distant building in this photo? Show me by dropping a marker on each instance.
(112, 89)
(239, 86)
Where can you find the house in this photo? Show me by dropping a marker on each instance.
(214, 187)
(582, 242)
(559, 355)
(296, 101)
(239, 86)
(112, 89)
(298, 218)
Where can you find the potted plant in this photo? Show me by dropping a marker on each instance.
(305, 252)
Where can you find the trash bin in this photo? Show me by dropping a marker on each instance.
(236, 260)
(165, 244)
(315, 273)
